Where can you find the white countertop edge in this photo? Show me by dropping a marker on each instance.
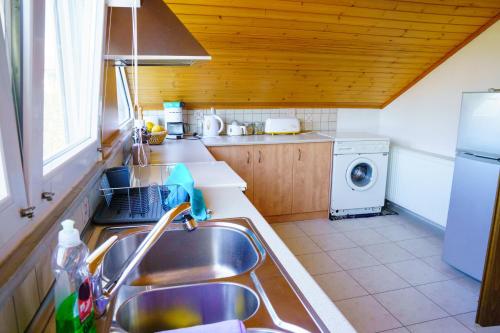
(309, 137)
(230, 203)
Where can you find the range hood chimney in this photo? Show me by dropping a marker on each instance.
(162, 39)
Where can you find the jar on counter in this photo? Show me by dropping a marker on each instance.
(250, 128)
(258, 127)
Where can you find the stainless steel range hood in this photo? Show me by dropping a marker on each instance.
(162, 39)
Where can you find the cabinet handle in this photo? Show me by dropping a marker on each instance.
(248, 157)
(260, 156)
(300, 154)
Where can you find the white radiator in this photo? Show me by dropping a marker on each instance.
(420, 182)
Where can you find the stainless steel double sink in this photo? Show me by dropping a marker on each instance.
(220, 271)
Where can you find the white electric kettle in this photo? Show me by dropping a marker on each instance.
(236, 129)
(212, 125)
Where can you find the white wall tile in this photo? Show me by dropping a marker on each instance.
(310, 119)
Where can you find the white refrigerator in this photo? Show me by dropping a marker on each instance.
(475, 183)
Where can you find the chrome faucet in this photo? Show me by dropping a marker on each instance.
(103, 294)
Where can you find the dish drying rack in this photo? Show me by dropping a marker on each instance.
(143, 201)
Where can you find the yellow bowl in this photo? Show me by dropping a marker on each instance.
(157, 138)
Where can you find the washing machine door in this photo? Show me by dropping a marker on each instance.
(361, 174)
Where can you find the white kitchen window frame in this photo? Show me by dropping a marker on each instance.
(62, 173)
(11, 221)
(122, 84)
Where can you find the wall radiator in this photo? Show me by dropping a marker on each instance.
(420, 182)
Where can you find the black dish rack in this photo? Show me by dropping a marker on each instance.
(144, 201)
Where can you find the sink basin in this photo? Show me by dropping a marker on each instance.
(185, 257)
(184, 306)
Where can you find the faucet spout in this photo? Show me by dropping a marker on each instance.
(105, 293)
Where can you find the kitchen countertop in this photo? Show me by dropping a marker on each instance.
(206, 174)
(266, 139)
(177, 151)
(227, 201)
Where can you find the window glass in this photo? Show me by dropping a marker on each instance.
(55, 131)
(70, 56)
(123, 97)
(2, 15)
(3, 176)
(10, 14)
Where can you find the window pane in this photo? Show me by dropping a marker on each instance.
(2, 15)
(55, 137)
(69, 53)
(3, 176)
(124, 108)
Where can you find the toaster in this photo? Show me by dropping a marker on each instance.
(282, 126)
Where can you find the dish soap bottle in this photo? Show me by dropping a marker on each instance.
(73, 290)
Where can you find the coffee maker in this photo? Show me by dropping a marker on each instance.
(173, 119)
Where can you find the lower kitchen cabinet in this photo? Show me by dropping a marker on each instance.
(285, 182)
(273, 179)
(240, 159)
(311, 177)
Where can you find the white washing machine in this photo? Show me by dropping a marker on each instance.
(359, 174)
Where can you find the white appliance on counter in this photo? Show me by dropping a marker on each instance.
(359, 174)
(282, 126)
(212, 125)
(235, 129)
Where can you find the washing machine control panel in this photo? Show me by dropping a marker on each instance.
(361, 147)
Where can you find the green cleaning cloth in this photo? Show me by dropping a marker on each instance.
(181, 177)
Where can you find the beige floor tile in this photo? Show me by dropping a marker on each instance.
(333, 241)
(318, 263)
(469, 320)
(301, 245)
(400, 232)
(422, 247)
(451, 295)
(287, 230)
(339, 286)
(409, 306)
(365, 237)
(350, 224)
(443, 325)
(470, 283)
(416, 272)
(381, 221)
(437, 263)
(388, 252)
(367, 315)
(397, 330)
(377, 279)
(316, 227)
(353, 258)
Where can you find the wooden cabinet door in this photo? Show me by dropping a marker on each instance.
(311, 177)
(240, 159)
(273, 179)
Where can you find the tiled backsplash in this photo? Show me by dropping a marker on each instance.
(310, 119)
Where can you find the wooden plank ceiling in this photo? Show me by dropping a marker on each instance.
(313, 53)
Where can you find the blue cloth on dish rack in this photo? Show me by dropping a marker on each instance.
(181, 177)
